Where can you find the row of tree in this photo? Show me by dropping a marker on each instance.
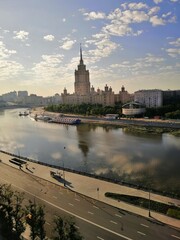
(166, 111)
(84, 109)
(15, 216)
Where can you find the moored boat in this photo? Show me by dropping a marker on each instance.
(66, 120)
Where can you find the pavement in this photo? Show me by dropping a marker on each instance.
(96, 189)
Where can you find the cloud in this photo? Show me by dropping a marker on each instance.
(67, 43)
(49, 38)
(4, 52)
(173, 52)
(155, 20)
(94, 15)
(157, 1)
(175, 43)
(138, 6)
(49, 68)
(21, 35)
(103, 47)
(64, 19)
(8, 68)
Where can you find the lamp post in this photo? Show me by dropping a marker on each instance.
(64, 171)
(149, 204)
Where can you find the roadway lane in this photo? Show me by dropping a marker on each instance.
(94, 219)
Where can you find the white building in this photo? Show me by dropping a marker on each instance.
(133, 109)
(150, 98)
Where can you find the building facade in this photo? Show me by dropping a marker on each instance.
(84, 93)
(150, 98)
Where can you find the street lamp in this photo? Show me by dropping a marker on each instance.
(64, 171)
(149, 204)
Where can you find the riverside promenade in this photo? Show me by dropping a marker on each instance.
(95, 188)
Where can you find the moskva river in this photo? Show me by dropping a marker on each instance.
(149, 160)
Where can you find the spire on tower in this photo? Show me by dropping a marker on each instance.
(81, 59)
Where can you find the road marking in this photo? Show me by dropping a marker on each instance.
(141, 233)
(71, 204)
(76, 226)
(91, 213)
(77, 199)
(174, 236)
(113, 222)
(54, 197)
(95, 207)
(73, 214)
(144, 225)
(100, 238)
(117, 215)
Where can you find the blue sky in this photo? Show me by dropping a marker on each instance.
(130, 43)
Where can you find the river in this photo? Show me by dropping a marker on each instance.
(149, 160)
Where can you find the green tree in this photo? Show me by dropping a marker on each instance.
(35, 219)
(11, 212)
(65, 229)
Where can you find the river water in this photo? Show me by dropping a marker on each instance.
(149, 160)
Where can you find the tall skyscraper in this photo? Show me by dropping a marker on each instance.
(82, 83)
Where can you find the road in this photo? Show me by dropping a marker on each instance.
(95, 220)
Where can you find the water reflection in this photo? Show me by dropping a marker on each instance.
(108, 151)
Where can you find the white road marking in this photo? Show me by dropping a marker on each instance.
(144, 225)
(100, 238)
(54, 197)
(117, 215)
(174, 236)
(90, 213)
(77, 199)
(113, 222)
(141, 233)
(71, 204)
(73, 214)
(95, 207)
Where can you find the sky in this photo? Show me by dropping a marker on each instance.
(130, 43)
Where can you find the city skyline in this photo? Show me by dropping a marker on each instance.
(130, 43)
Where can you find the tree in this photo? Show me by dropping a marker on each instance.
(35, 219)
(65, 229)
(11, 212)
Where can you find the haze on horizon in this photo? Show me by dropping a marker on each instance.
(130, 43)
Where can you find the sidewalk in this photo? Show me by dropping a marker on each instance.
(95, 189)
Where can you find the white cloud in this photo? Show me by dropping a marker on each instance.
(138, 6)
(94, 15)
(154, 10)
(166, 14)
(155, 20)
(174, 0)
(173, 52)
(21, 35)
(67, 43)
(64, 19)
(175, 43)
(157, 1)
(49, 38)
(103, 47)
(4, 52)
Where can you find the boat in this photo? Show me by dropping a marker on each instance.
(23, 114)
(42, 118)
(65, 120)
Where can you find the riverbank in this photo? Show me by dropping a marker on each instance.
(134, 125)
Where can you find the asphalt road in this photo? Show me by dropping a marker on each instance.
(94, 219)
